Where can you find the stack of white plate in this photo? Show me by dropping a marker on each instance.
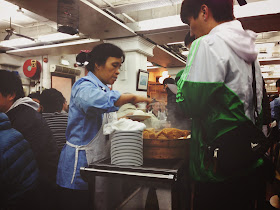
(127, 148)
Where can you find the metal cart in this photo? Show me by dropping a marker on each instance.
(154, 174)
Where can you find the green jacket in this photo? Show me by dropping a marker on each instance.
(215, 90)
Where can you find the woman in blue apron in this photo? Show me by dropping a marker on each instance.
(90, 106)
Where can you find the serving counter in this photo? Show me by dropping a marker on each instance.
(155, 174)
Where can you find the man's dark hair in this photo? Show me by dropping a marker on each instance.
(51, 100)
(189, 39)
(35, 95)
(222, 10)
(10, 83)
(168, 81)
(278, 83)
(99, 55)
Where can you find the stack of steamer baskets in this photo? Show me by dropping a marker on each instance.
(127, 148)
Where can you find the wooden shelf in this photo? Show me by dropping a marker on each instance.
(270, 61)
(271, 78)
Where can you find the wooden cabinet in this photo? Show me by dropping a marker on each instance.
(156, 91)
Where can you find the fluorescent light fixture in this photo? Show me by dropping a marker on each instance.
(16, 42)
(56, 37)
(84, 41)
(250, 9)
(154, 67)
(171, 43)
(158, 23)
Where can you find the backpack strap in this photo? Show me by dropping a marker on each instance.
(255, 101)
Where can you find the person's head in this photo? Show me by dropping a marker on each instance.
(203, 15)
(167, 81)
(104, 61)
(278, 85)
(155, 107)
(65, 107)
(35, 96)
(10, 89)
(52, 100)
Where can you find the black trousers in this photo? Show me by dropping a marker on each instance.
(241, 193)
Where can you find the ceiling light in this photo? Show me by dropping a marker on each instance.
(158, 23)
(84, 41)
(172, 43)
(56, 37)
(153, 67)
(16, 42)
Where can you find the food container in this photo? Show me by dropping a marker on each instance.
(166, 149)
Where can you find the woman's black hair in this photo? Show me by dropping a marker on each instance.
(99, 55)
(81, 58)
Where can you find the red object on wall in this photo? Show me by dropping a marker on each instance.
(32, 69)
(45, 60)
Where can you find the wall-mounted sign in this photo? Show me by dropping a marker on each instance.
(32, 69)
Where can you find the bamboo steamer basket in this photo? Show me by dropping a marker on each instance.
(166, 149)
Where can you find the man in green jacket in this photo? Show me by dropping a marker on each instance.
(215, 90)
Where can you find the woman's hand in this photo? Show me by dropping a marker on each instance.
(139, 99)
(131, 98)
